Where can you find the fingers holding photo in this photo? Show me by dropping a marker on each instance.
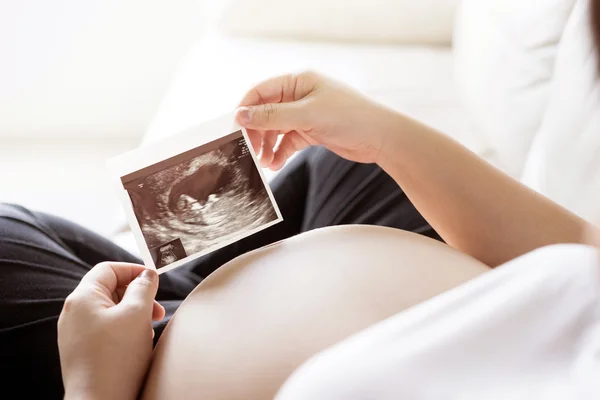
(319, 110)
(109, 284)
(268, 142)
(280, 89)
(255, 139)
(274, 148)
(290, 143)
(111, 275)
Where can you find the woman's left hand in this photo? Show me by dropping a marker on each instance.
(105, 332)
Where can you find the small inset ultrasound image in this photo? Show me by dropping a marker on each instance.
(198, 199)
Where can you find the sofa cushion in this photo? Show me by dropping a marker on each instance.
(504, 57)
(416, 80)
(564, 162)
(405, 21)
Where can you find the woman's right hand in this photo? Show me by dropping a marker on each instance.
(309, 109)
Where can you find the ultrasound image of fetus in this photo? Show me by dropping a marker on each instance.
(203, 200)
(194, 191)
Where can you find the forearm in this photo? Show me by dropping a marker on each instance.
(475, 207)
(87, 387)
(98, 394)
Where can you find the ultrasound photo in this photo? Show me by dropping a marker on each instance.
(199, 199)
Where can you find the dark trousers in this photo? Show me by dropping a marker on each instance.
(43, 258)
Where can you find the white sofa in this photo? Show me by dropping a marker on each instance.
(409, 67)
(516, 85)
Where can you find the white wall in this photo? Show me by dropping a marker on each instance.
(89, 67)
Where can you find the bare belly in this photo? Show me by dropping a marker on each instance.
(243, 330)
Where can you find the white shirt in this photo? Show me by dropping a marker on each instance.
(529, 329)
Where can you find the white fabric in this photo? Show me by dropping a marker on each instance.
(564, 162)
(504, 54)
(217, 73)
(406, 21)
(527, 330)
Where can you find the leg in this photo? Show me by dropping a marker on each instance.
(92, 249)
(39, 268)
(353, 193)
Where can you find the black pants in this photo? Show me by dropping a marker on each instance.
(43, 258)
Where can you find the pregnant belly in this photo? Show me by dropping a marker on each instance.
(243, 330)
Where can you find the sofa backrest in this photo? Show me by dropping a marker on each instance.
(528, 74)
(504, 62)
(396, 21)
(564, 159)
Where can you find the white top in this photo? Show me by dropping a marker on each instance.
(529, 329)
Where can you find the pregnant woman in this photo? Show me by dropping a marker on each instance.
(274, 300)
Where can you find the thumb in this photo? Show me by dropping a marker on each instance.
(141, 291)
(272, 116)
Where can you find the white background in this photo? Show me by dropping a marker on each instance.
(89, 67)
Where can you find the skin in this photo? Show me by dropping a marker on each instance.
(250, 324)
(105, 332)
(318, 288)
(307, 109)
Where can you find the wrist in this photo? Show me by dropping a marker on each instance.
(390, 128)
(95, 392)
(71, 394)
(81, 396)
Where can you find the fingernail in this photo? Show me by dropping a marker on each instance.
(149, 274)
(245, 114)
